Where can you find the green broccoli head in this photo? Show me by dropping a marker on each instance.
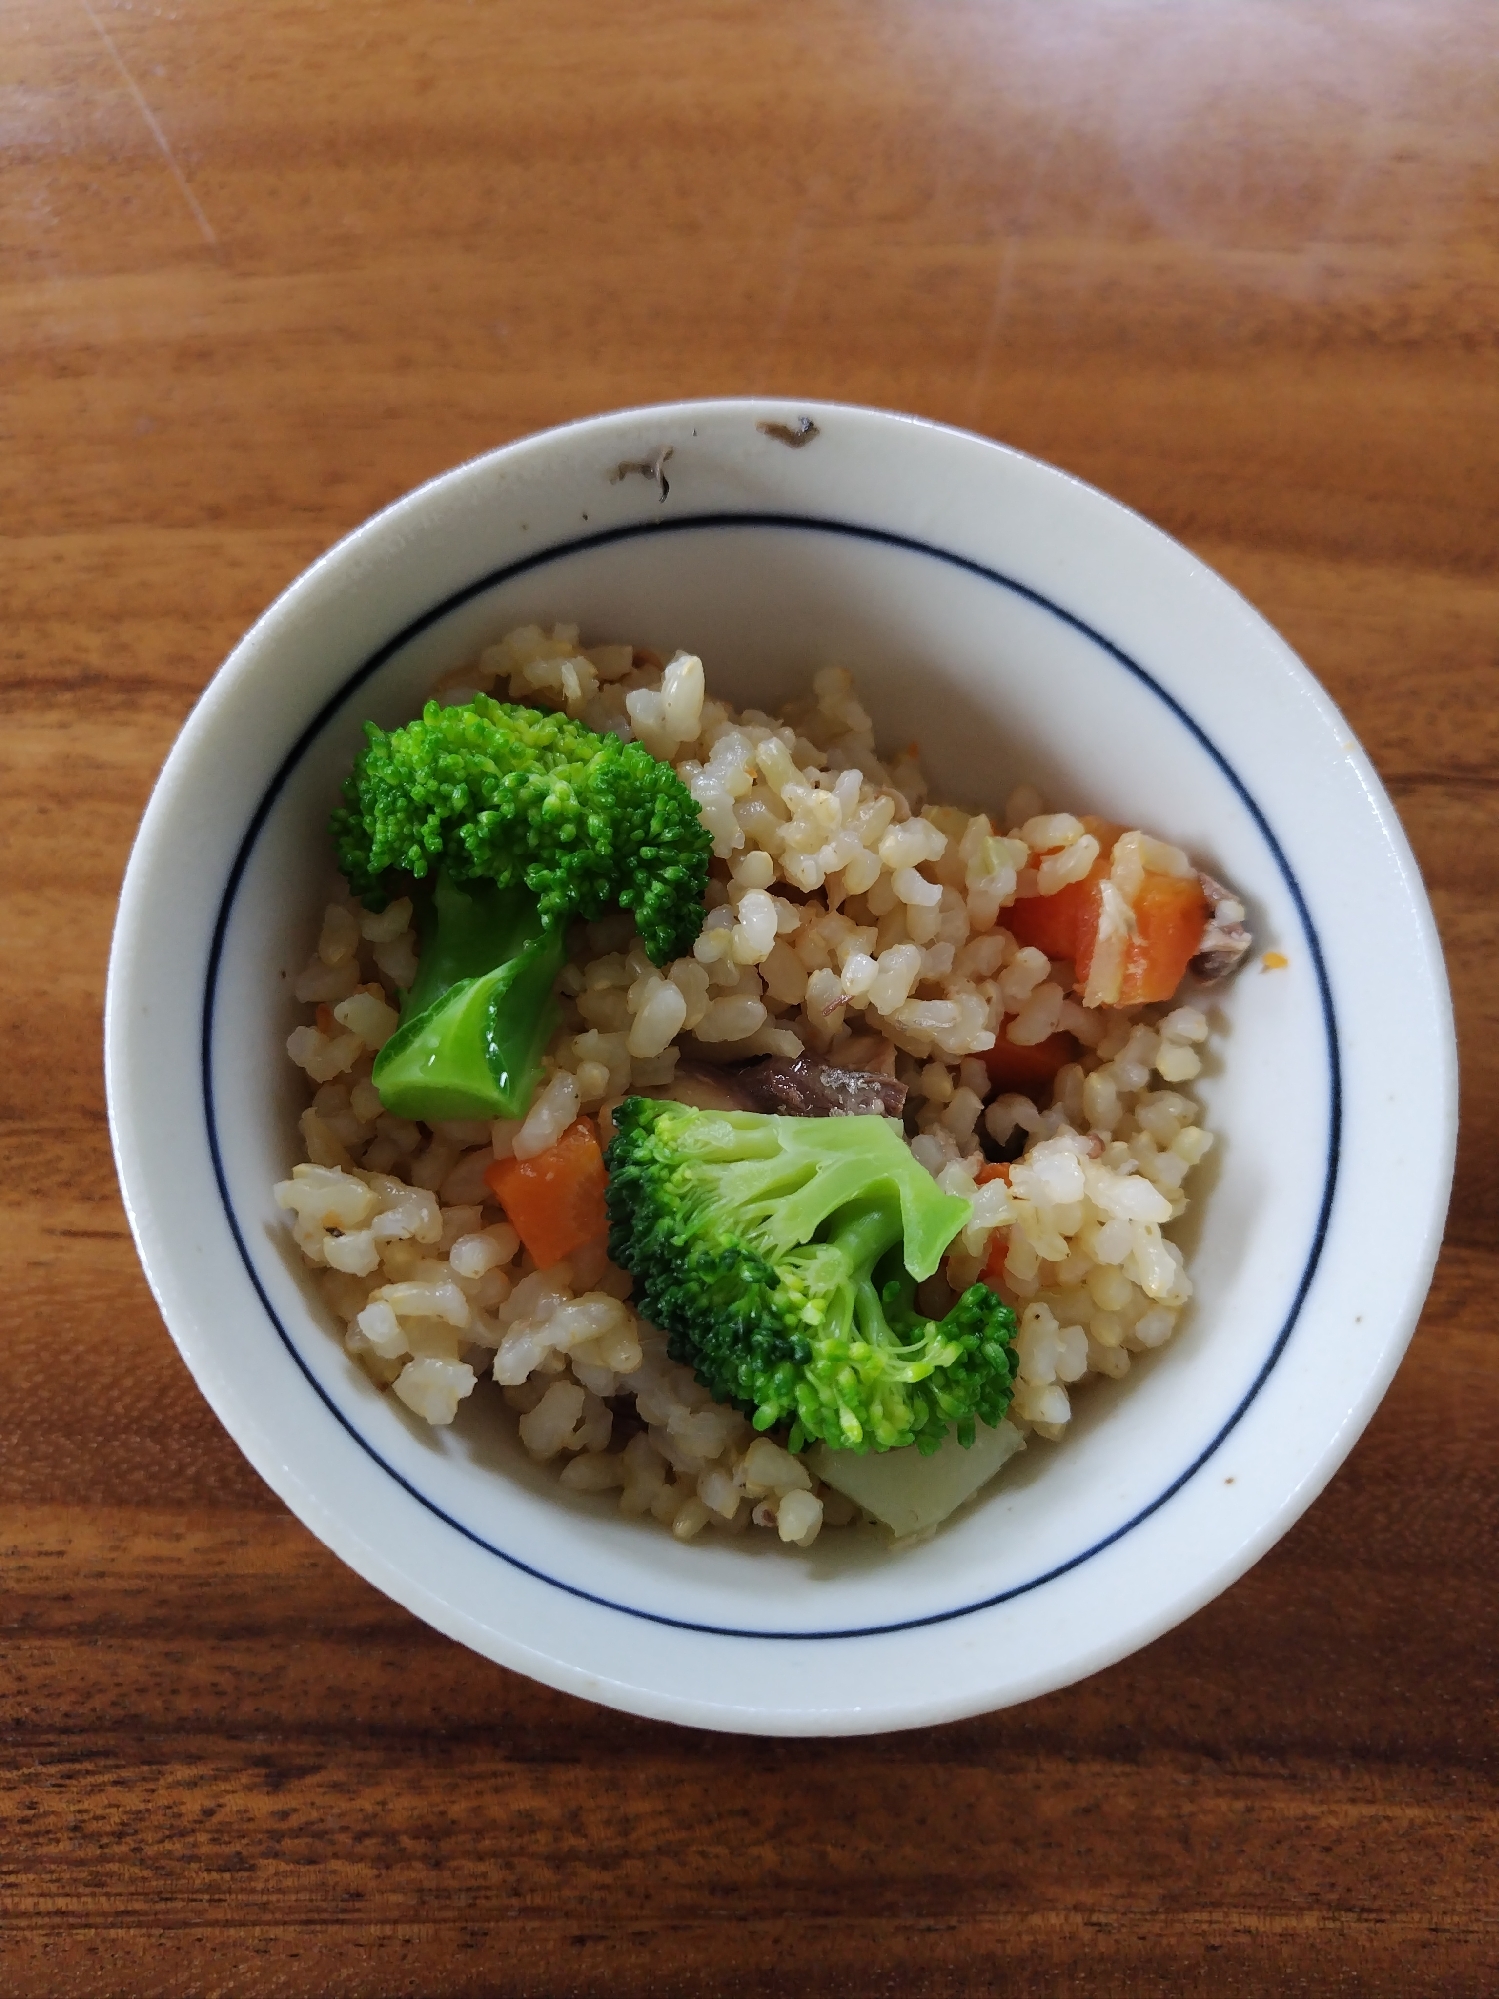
(525, 820)
(513, 796)
(781, 1255)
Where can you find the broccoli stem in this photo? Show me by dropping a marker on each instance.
(865, 1229)
(480, 1010)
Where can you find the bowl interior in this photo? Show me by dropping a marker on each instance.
(998, 683)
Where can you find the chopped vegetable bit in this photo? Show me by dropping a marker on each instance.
(1064, 925)
(1169, 913)
(1028, 1070)
(910, 1494)
(999, 1243)
(555, 1199)
(1129, 931)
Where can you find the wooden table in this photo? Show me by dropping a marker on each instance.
(265, 269)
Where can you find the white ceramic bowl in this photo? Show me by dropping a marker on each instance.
(1018, 624)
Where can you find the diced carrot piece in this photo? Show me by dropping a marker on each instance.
(999, 1242)
(555, 1201)
(1170, 911)
(1064, 925)
(1026, 1070)
(1056, 924)
(999, 1255)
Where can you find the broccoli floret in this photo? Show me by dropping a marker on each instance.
(525, 820)
(780, 1256)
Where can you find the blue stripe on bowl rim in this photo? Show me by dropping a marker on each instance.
(813, 524)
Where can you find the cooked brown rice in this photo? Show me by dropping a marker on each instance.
(895, 936)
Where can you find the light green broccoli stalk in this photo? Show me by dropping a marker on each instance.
(781, 1256)
(524, 820)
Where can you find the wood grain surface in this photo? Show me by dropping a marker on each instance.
(261, 270)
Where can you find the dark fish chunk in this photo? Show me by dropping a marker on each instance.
(1225, 936)
(805, 1088)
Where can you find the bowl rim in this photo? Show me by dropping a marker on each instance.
(310, 582)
